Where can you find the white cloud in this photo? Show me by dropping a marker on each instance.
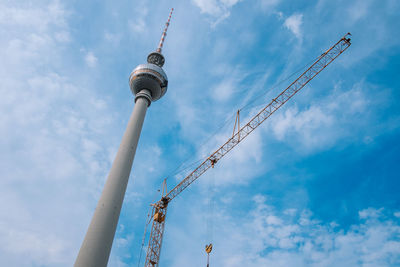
(211, 7)
(358, 9)
(113, 38)
(51, 160)
(91, 59)
(63, 36)
(219, 9)
(305, 123)
(137, 26)
(248, 153)
(229, 76)
(229, 3)
(264, 236)
(41, 20)
(269, 5)
(224, 90)
(293, 23)
(325, 122)
(358, 14)
(273, 220)
(370, 213)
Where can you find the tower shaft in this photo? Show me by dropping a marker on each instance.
(96, 247)
(148, 82)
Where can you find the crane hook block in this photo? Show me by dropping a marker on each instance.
(209, 248)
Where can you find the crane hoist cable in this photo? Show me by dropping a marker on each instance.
(144, 236)
(160, 208)
(209, 216)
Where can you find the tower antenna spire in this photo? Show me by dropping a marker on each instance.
(156, 57)
(160, 45)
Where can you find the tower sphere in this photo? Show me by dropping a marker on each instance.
(151, 77)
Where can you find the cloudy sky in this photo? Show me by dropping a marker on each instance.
(316, 185)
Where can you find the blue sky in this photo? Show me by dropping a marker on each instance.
(316, 185)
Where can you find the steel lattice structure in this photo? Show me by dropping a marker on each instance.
(160, 208)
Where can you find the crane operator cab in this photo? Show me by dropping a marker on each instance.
(208, 250)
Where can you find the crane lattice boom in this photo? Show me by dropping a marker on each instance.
(160, 208)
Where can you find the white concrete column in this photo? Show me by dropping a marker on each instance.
(96, 246)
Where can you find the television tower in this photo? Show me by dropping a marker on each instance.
(148, 83)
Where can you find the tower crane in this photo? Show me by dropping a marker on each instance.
(159, 209)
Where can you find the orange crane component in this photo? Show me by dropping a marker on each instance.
(208, 251)
(159, 209)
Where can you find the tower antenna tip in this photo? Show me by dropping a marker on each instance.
(160, 45)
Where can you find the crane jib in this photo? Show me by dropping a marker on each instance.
(324, 60)
(160, 208)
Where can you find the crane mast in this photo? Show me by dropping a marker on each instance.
(159, 209)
